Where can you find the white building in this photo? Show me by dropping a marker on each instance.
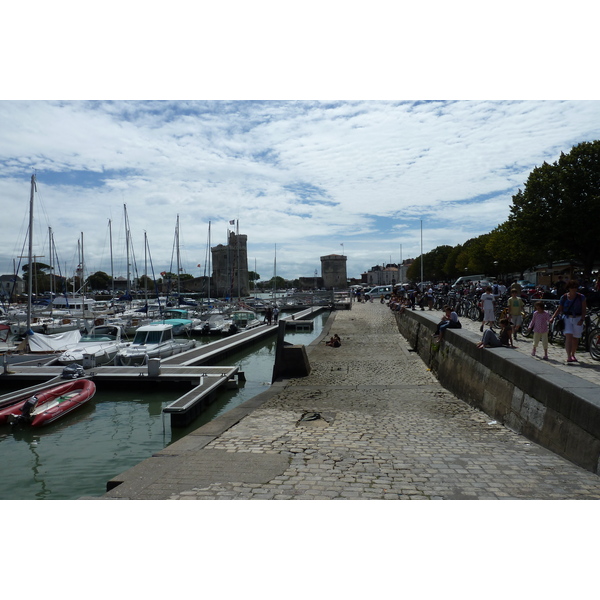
(11, 286)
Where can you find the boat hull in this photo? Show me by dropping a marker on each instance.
(139, 356)
(52, 404)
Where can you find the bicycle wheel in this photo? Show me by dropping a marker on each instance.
(474, 313)
(595, 343)
(525, 331)
(555, 336)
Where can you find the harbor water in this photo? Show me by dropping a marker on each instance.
(78, 454)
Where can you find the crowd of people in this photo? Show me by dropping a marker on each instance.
(573, 298)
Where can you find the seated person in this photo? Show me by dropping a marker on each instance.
(491, 340)
(449, 321)
(334, 342)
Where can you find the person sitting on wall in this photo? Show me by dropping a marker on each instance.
(449, 321)
(491, 340)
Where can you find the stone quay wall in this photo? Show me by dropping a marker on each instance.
(555, 409)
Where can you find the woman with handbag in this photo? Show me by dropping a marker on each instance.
(573, 307)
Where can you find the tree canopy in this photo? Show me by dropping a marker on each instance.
(559, 208)
(555, 217)
(99, 280)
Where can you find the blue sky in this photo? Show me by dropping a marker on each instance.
(303, 176)
(309, 177)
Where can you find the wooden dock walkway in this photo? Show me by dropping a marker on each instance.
(234, 343)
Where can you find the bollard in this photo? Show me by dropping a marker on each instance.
(154, 367)
(89, 361)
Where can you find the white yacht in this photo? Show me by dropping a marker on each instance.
(103, 342)
(153, 341)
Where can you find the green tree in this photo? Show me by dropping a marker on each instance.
(145, 283)
(451, 267)
(99, 281)
(277, 282)
(558, 211)
(40, 276)
(413, 273)
(434, 265)
(511, 250)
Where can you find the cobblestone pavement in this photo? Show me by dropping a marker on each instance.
(371, 422)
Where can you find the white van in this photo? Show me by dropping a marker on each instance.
(378, 291)
(467, 279)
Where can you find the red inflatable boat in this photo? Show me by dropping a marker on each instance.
(50, 404)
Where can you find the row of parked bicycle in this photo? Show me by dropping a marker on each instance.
(468, 306)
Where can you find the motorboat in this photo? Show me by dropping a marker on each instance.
(153, 341)
(102, 343)
(75, 305)
(180, 326)
(40, 343)
(213, 324)
(182, 321)
(243, 320)
(50, 404)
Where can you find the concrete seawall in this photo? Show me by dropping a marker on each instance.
(557, 410)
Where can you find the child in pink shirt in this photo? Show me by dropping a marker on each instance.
(539, 324)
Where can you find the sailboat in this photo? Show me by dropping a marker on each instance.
(39, 342)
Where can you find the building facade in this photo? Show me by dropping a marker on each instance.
(11, 286)
(390, 274)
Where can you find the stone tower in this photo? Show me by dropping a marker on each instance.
(230, 267)
(333, 271)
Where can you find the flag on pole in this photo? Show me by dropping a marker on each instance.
(198, 266)
(232, 222)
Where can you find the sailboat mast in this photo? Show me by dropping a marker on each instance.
(78, 270)
(178, 257)
(51, 269)
(127, 249)
(82, 277)
(146, 270)
(209, 264)
(30, 255)
(237, 243)
(112, 271)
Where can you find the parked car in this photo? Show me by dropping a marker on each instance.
(378, 291)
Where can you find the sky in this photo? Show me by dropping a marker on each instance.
(302, 179)
(301, 158)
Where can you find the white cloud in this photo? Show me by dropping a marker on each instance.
(307, 176)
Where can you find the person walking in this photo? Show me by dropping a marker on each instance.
(488, 304)
(573, 307)
(515, 308)
(539, 325)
